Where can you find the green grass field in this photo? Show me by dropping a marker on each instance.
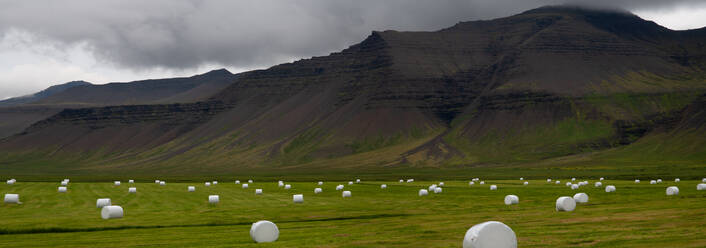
(636, 215)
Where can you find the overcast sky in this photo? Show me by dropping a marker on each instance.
(46, 42)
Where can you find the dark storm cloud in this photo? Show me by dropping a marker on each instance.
(184, 34)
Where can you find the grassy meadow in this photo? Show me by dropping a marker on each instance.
(636, 215)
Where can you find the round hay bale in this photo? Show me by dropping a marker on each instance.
(207, 184)
(130, 181)
(672, 190)
(264, 231)
(102, 202)
(471, 183)
(410, 180)
(156, 181)
(112, 212)
(432, 187)
(321, 183)
(526, 183)
(10, 182)
(701, 186)
(237, 181)
(573, 179)
(441, 184)
(581, 198)
(549, 180)
(610, 188)
(491, 234)
(162, 183)
(287, 186)
(438, 190)
(62, 189)
(132, 190)
(318, 190)
(493, 187)
(574, 186)
(677, 180)
(384, 186)
(401, 181)
(659, 180)
(511, 199)
(299, 198)
(346, 194)
(280, 184)
(258, 191)
(600, 179)
(637, 180)
(191, 188)
(214, 182)
(245, 185)
(117, 183)
(557, 182)
(12, 198)
(213, 199)
(598, 184)
(653, 181)
(66, 180)
(357, 180)
(350, 183)
(568, 184)
(522, 178)
(250, 181)
(423, 192)
(482, 182)
(566, 204)
(703, 180)
(339, 187)
(64, 183)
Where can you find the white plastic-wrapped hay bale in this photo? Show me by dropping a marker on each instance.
(321, 183)
(213, 199)
(10, 182)
(102, 202)
(701, 186)
(258, 191)
(245, 186)
(522, 178)
(350, 183)
(64, 183)
(482, 182)
(601, 179)
(117, 183)
(598, 184)
(659, 180)
(190, 188)
(653, 181)
(493, 187)
(401, 181)
(162, 183)
(264, 232)
(357, 180)
(384, 186)
(66, 180)
(287, 186)
(438, 190)
(677, 180)
(549, 180)
(610, 188)
(112, 212)
(565, 204)
(346, 194)
(491, 234)
(568, 184)
(339, 187)
(441, 184)
(12, 198)
(130, 181)
(207, 184)
(573, 179)
(672, 190)
(512, 199)
(703, 180)
(132, 190)
(525, 183)
(432, 187)
(318, 190)
(62, 189)
(410, 180)
(214, 182)
(237, 181)
(471, 183)
(574, 186)
(637, 180)
(250, 181)
(298, 198)
(557, 182)
(156, 181)
(280, 184)
(423, 192)
(581, 198)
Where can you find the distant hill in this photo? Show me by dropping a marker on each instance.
(548, 84)
(42, 94)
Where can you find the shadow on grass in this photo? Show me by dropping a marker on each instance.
(112, 228)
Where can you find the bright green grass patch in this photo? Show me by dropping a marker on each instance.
(637, 215)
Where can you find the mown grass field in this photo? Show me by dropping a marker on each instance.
(637, 215)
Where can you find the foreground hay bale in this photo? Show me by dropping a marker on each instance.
(653, 181)
(12, 199)
(214, 182)
(526, 183)
(482, 182)
(441, 184)
(162, 183)
(245, 186)
(637, 180)
(250, 181)
(190, 188)
(258, 191)
(581, 197)
(701, 186)
(11, 181)
(574, 186)
(156, 181)
(493, 187)
(213, 199)
(423, 192)
(280, 184)
(401, 181)
(672, 190)
(350, 183)
(432, 187)
(62, 189)
(549, 180)
(511, 200)
(598, 184)
(384, 186)
(237, 181)
(207, 184)
(557, 182)
(677, 180)
(321, 183)
(132, 190)
(568, 184)
(410, 180)
(264, 231)
(130, 181)
(659, 180)
(117, 183)
(299, 198)
(357, 180)
(566, 204)
(610, 188)
(287, 186)
(339, 187)
(601, 179)
(112, 212)
(491, 234)
(438, 190)
(573, 179)
(318, 190)
(102, 202)
(471, 183)
(346, 194)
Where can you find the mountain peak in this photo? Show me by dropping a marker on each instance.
(218, 72)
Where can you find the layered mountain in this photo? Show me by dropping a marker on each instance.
(544, 84)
